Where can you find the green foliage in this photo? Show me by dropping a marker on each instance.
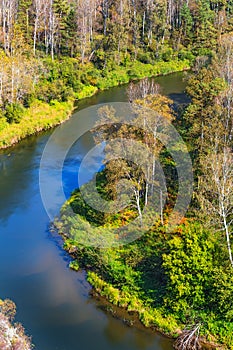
(3, 121)
(221, 293)
(203, 88)
(56, 90)
(14, 112)
(39, 116)
(86, 91)
(65, 79)
(155, 32)
(167, 279)
(154, 318)
(188, 267)
(185, 54)
(149, 317)
(112, 78)
(74, 265)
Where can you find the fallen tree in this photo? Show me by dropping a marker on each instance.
(189, 339)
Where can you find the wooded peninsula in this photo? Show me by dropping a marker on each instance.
(56, 52)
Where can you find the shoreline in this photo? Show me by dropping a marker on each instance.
(30, 126)
(129, 317)
(133, 320)
(12, 134)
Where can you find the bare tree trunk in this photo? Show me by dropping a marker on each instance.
(35, 36)
(228, 240)
(161, 207)
(137, 197)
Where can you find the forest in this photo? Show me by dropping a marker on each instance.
(55, 52)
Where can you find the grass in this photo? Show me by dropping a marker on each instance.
(40, 116)
(150, 317)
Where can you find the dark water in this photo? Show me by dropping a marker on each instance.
(53, 302)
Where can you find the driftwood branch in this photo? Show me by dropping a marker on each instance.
(189, 339)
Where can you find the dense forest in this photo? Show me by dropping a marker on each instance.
(97, 30)
(53, 52)
(58, 50)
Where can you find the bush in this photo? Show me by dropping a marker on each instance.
(167, 54)
(56, 90)
(185, 54)
(74, 265)
(86, 91)
(145, 57)
(3, 123)
(188, 266)
(154, 317)
(14, 112)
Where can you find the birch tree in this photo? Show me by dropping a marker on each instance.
(18, 75)
(8, 14)
(216, 190)
(216, 181)
(84, 26)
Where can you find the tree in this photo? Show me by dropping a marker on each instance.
(18, 75)
(24, 19)
(137, 147)
(8, 15)
(215, 185)
(203, 87)
(216, 189)
(152, 110)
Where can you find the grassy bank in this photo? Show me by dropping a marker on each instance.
(67, 82)
(39, 116)
(138, 70)
(149, 317)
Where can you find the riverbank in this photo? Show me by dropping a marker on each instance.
(12, 335)
(39, 117)
(132, 319)
(128, 306)
(152, 319)
(42, 115)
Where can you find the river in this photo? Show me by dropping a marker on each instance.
(53, 302)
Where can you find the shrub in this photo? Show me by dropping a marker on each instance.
(14, 112)
(56, 90)
(74, 265)
(3, 123)
(86, 91)
(188, 265)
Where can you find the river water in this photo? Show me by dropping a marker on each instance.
(53, 302)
